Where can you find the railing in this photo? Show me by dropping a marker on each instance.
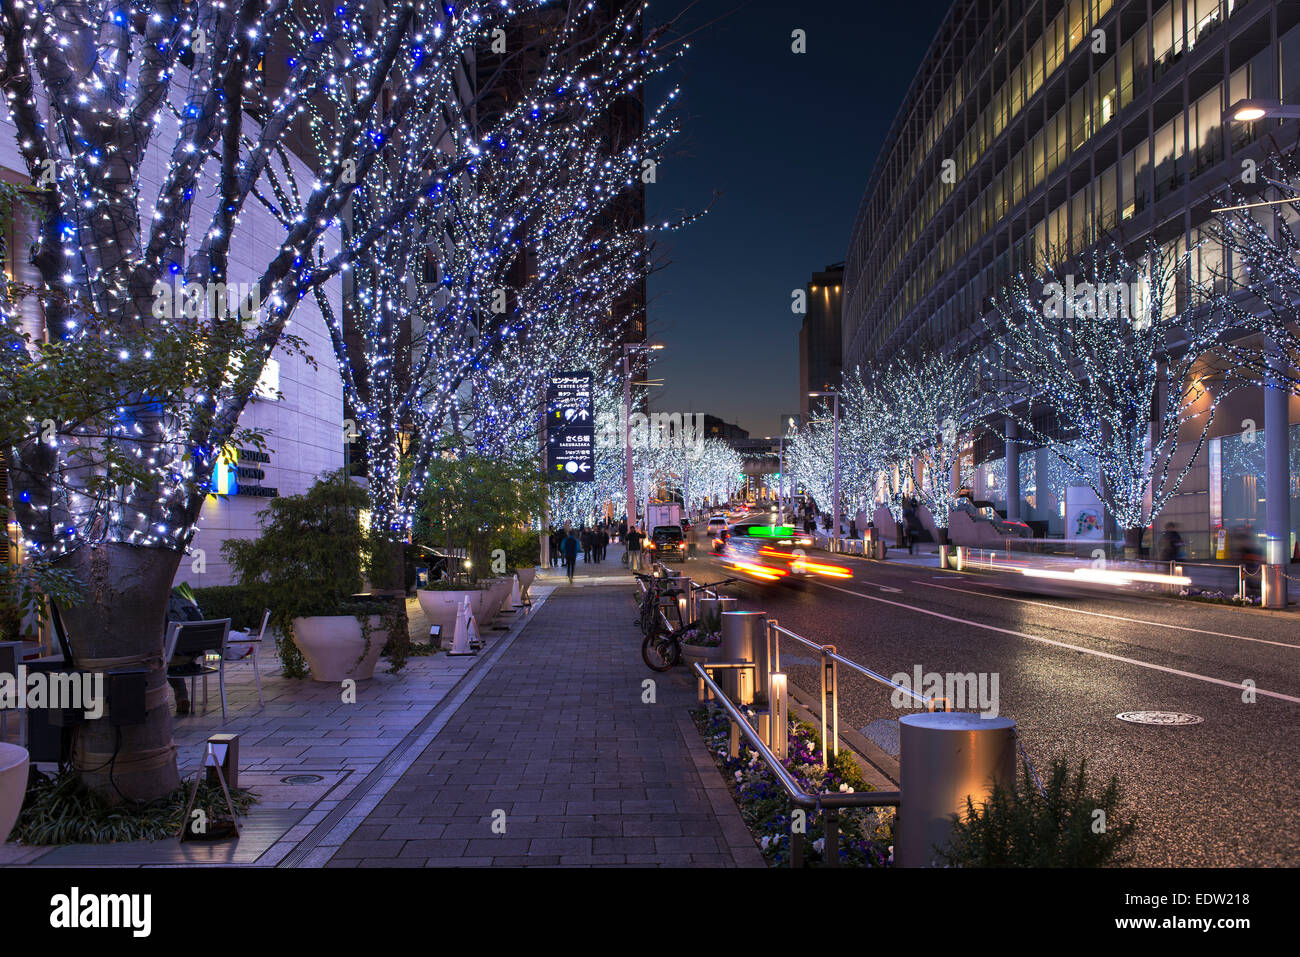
(770, 738)
(830, 682)
(829, 804)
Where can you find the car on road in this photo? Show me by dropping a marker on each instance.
(717, 526)
(770, 552)
(667, 542)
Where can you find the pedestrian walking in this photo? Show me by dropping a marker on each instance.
(557, 548)
(602, 545)
(571, 554)
(585, 539)
(634, 548)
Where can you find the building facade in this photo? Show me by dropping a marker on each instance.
(1037, 125)
(820, 335)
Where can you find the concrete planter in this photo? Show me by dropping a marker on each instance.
(440, 608)
(13, 786)
(491, 598)
(333, 643)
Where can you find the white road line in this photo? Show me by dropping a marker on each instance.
(1239, 686)
(1099, 614)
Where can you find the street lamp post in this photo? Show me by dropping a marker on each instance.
(780, 476)
(1277, 420)
(835, 433)
(628, 349)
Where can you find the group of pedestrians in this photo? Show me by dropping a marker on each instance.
(567, 542)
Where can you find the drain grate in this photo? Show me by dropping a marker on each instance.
(302, 779)
(1170, 718)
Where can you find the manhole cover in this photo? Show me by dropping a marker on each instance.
(1159, 717)
(302, 779)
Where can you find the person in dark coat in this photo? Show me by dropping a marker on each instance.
(571, 554)
(585, 539)
(602, 545)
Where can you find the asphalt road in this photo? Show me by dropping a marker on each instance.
(1224, 792)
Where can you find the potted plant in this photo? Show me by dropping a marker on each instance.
(704, 642)
(308, 564)
(13, 785)
(474, 506)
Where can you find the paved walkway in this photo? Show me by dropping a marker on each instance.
(555, 759)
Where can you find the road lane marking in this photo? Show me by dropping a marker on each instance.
(1237, 685)
(1099, 614)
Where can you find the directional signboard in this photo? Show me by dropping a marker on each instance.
(570, 428)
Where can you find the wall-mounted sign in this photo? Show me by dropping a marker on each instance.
(229, 478)
(570, 428)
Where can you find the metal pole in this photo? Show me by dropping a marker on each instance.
(835, 530)
(1277, 498)
(780, 480)
(627, 437)
(779, 715)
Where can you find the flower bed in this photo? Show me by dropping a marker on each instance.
(866, 834)
(1217, 597)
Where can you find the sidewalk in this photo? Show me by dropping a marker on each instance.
(609, 572)
(556, 746)
(304, 754)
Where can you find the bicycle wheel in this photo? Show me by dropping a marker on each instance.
(660, 651)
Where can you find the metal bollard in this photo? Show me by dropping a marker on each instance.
(943, 758)
(743, 634)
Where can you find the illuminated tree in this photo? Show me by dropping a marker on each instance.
(219, 90)
(1112, 351)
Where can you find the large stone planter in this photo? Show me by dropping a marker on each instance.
(13, 786)
(492, 597)
(333, 643)
(440, 608)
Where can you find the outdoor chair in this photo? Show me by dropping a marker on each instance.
(256, 641)
(198, 639)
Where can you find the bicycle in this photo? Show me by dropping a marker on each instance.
(661, 648)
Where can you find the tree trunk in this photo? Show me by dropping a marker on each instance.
(1133, 542)
(120, 624)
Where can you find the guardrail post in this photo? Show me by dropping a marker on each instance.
(733, 746)
(796, 849)
(831, 844)
(1241, 581)
(944, 757)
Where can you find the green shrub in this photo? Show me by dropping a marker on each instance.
(242, 604)
(1021, 826)
(60, 810)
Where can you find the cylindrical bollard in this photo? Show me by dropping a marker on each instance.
(943, 758)
(744, 635)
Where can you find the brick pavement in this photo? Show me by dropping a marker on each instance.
(556, 743)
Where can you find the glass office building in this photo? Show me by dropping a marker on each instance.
(1050, 125)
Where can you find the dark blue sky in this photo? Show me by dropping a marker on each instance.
(787, 141)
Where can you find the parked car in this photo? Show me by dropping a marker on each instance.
(667, 541)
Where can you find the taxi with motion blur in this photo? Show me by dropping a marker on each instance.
(768, 552)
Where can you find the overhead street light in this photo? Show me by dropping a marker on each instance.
(1249, 110)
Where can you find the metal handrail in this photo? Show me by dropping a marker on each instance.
(830, 803)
